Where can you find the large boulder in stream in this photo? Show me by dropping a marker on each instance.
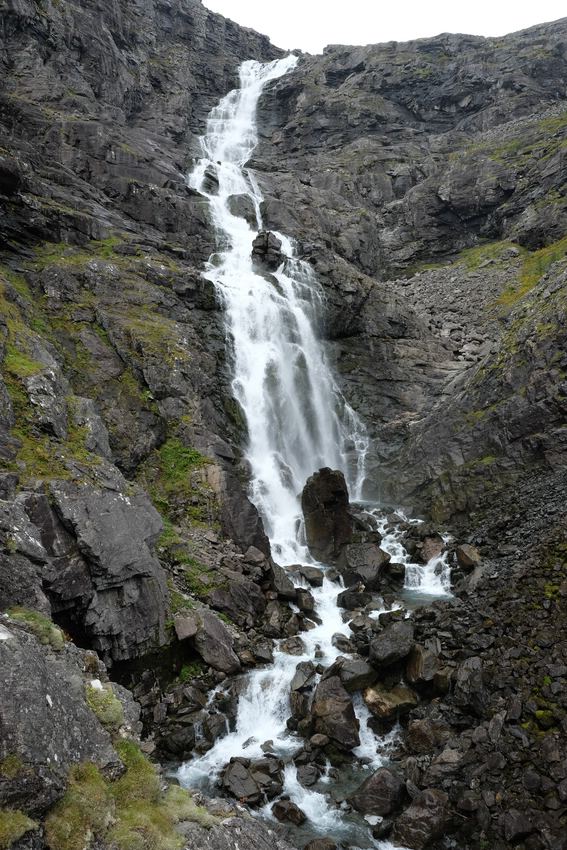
(334, 715)
(252, 782)
(325, 505)
(380, 794)
(267, 251)
(214, 643)
(363, 562)
(424, 821)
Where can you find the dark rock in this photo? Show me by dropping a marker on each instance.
(353, 598)
(393, 644)
(281, 582)
(515, 826)
(469, 686)
(424, 821)
(468, 556)
(328, 523)
(242, 207)
(422, 665)
(333, 713)
(364, 562)
(285, 810)
(214, 643)
(387, 704)
(321, 844)
(266, 251)
(380, 794)
(312, 575)
(354, 673)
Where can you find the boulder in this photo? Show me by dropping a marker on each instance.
(393, 644)
(334, 715)
(242, 206)
(285, 810)
(425, 736)
(252, 782)
(304, 676)
(469, 686)
(321, 844)
(424, 821)
(241, 600)
(328, 523)
(431, 547)
(388, 704)
(267, 251)
(281, 583)
(186, 625)
(355, 673)
(468, 557)
(353, 598)
(312, 575)
(214, 643)
(422, 665)
(380, 794)
(364, 562)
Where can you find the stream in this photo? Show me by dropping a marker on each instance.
(298, 422)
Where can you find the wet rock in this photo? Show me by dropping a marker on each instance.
(328, 523)
(424, 821)
(353, 598)
(393, 644)
(304, 676)
(241, 600)
(431, 547)
(214, 643)
(333, 713)
(321, 844)
(354, 673)
(380, 794)
(425, 736)
(267, 251)
(363, 562)
(285, 810)
(387, 704)
(319, 741)
(312, 575)
(468, 557)
(252, 782)
(241, 206)
(293, 646)
(308, 774)
(281, 582)
(342, 643)
(305, 601)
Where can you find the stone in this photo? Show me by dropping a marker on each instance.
(215, 644)
(328, 523)
(468, 557)
(387, 704)
(393, 644)
(320, 844)
(307, 774)
(469, 686)
(305, 601)
(363, 562)
(186, 625)
(424, 821)
(353, 598)
(422, 665)
(431, 547)
(355, 673)
(515, 826)
(425, 736)
(380, 794)
(304, 676)
(267, 251)
(281, 582)
(312, 575)
(334, 715)
(285, 810)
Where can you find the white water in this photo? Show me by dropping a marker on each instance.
(297, 422)
(297, 419)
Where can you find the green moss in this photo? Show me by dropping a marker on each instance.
(46, 632)
(474, 257)
(106, 706)
(191, 671)
(13, 825)
(11, 766)
(86, 810)
(551, 591)
(131, 813)
(19, 364)
(62, 254)
(545, 718)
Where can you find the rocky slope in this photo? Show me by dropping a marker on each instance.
(424, 182)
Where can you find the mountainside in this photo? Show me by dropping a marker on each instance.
(424, 183)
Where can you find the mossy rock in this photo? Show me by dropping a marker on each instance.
(106, 706)
(13, 825)
(41, 626)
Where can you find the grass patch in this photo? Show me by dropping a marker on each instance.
(11, 766)
(131, 813)
(45, 631)
(13, 825)
(106, 706)
(191, 671)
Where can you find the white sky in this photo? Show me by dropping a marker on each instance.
(312, 24)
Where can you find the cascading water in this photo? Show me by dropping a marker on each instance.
(297, 422)
(297, 419)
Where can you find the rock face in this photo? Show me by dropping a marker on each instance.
(436, 158)
(393, 644)
(328, 524)
(46, 723)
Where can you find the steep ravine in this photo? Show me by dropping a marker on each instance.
(422, 186)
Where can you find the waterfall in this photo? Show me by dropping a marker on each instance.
(297, 419)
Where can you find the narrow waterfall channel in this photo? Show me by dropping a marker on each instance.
(297, 422)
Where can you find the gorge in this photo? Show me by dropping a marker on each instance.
(207, 570)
